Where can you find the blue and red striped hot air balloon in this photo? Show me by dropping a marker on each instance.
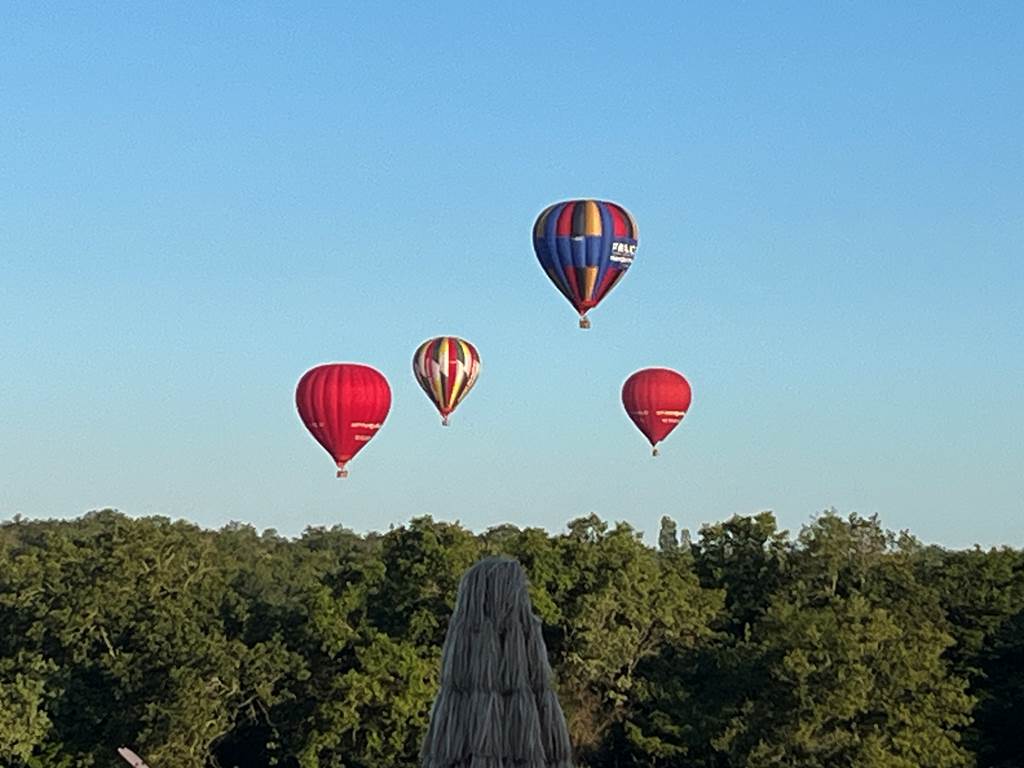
(585, 247)
(446, 368)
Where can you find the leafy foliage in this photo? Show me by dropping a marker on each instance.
(846, 645)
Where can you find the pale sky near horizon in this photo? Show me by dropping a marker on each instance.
(198, 203)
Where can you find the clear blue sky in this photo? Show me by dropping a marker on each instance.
(198, 203)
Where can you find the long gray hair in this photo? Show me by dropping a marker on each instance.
(496, 707)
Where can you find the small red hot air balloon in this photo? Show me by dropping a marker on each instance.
(343, 405)
(656, 399)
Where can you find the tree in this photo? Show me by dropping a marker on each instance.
(854, 651)
(747, 557)
(423, 562)
(668, 536)
(624, 605)
(848, 685)
(845, 645)
(999, 739)
(23, 719)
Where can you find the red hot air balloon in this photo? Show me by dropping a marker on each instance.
(656, 399)
(343, 405)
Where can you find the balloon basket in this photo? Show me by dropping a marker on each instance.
(342, 472)
(444, 421)
(654, 452)
(584, 321)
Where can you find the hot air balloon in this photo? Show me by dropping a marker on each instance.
(585, 247)
(343, 405)
(446, 368)
(656, 399)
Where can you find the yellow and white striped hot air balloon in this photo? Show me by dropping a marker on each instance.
(446, 368)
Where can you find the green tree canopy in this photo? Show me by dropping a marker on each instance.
(845, 645)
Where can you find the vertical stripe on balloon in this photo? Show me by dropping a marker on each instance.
(593, 220)
(589, 278)
(634, 230)
(564, 227)
(538, 230)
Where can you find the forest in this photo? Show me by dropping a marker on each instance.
(741, 645)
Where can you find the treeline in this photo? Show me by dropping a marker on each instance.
(844, 645)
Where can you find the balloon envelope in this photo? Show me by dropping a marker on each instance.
(656, 399)
(585, 247)
(343, 405)
(446, 368)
